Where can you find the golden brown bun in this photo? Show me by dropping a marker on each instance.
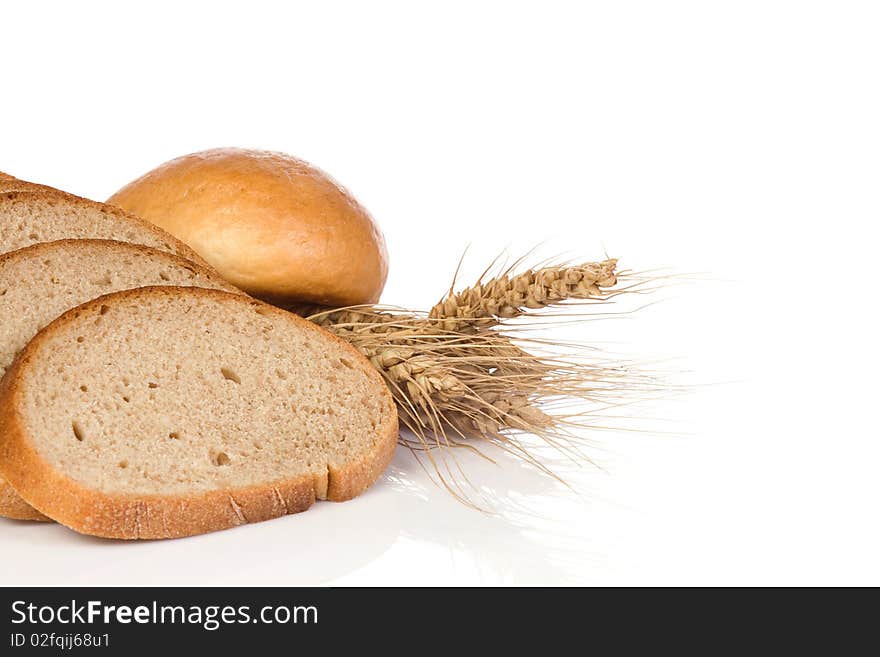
(6, 176)
(271, 224)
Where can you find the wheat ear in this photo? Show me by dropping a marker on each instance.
(507, 297)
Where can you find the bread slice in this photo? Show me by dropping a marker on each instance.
(45, 215)
(6, 176)
(16, 508)
(165, 412)
(40, 282)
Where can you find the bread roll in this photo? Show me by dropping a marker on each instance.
(271, 224)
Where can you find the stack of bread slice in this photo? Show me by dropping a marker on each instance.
(145, 397)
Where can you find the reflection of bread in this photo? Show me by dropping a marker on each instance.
(42, 281)
(271, 224)
(167, 411)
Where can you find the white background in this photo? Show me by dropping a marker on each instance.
(736, 144)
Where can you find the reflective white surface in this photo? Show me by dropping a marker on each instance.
(735, 144)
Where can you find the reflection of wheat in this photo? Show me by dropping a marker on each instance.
(460, 373)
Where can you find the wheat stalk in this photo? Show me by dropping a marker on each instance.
(459, 373)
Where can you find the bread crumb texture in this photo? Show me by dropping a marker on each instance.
(39, 283)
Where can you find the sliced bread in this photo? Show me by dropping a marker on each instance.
(16, 508)
(165, 412)
(32, 216)
(40, 282)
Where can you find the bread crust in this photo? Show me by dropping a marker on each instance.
(12, 506)
(275, 226)
(129, 516)
(35, 191)
(16, 185)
